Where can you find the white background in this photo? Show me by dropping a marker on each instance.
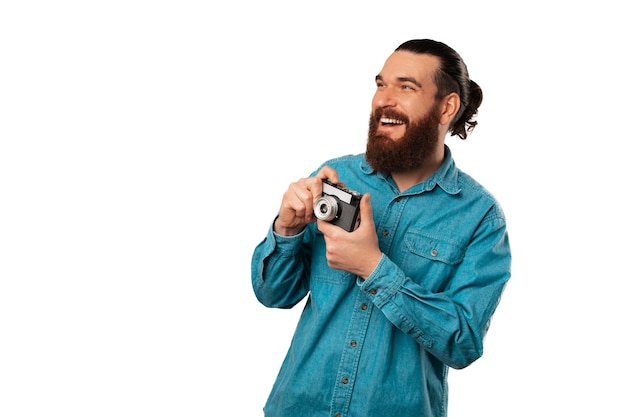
(145, 146)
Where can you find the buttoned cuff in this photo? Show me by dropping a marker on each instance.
(383, 283)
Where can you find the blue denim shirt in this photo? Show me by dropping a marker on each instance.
(382, 347)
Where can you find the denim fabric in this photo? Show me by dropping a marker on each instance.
(382, 347)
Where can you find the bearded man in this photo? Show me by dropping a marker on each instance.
(393, 304)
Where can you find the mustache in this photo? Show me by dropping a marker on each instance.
(380, 112)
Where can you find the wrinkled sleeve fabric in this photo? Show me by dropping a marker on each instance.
(280, 270)
(450, 324)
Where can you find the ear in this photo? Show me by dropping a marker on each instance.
(450, 105)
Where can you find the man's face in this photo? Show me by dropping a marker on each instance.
(404, 123)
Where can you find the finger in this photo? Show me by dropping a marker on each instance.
(365, 208)
(313, 187)
(329, 173)
(296, 197)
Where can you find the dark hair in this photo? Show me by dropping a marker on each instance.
(451, 77)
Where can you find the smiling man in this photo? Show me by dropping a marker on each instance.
(411, 292)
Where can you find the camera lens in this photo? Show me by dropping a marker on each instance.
(326, 208)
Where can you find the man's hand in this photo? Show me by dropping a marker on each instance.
(356, 252)
(296, 209)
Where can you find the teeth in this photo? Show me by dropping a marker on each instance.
(390, 121)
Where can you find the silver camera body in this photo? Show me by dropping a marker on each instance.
(338, 205)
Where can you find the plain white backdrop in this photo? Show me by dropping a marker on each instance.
(145, 146)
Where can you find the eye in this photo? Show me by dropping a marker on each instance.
(407, 87)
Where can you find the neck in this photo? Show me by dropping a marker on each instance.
(406, 179)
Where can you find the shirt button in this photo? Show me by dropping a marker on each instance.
(344, 380)
(353, 343)
(373, 291)
(385, 232)
(363, 306)
(434, 252)
(337, 414)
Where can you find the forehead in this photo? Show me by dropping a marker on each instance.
(402, 64)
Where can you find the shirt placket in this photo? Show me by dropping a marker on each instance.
(359, 321)
(350, 356)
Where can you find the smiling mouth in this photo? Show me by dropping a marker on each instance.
(386, 121)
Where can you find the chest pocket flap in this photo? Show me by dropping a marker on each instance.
(434, 248)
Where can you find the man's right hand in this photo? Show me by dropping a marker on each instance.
(296, 209)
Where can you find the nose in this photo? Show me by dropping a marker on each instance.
(383, 97)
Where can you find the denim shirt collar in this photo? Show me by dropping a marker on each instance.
(446, 176)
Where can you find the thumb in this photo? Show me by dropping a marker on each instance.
(365, 208)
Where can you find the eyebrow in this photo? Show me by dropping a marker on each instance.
(403, 80)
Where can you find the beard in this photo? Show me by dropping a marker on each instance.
(410, 151)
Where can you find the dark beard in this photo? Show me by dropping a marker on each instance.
(409, 152)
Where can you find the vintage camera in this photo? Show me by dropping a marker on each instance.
(338, 205)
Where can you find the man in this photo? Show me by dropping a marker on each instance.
(411, 291)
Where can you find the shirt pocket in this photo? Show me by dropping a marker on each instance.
(431, 260)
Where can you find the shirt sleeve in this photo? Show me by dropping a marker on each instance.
(450, 324)
(280, 270)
